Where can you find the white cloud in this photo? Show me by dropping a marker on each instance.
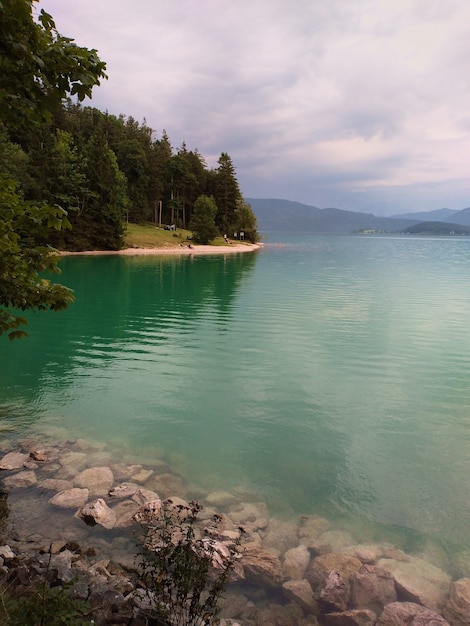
(365, 103)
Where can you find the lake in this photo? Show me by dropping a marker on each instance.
(326, 375)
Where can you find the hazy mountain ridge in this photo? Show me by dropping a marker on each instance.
(438, 215)
(285, 215)
(448, 216)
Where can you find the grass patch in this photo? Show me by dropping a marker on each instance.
(150, 236)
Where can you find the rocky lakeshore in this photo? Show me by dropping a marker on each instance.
(68, 513)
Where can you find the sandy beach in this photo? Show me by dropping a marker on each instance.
(172, 250)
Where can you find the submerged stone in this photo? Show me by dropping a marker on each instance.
(22, 480)
(13, 461)
(70, 498)
(419, 581)
(98, 480)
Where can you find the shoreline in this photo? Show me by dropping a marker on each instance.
(173, 250)
(303, 568)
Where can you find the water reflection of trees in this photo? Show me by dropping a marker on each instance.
(119, 300)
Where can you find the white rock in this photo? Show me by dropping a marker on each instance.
(97, 512)
(6, 553)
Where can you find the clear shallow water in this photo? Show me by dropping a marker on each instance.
(329, 374)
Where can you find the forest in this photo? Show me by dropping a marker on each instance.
(105, 170)
(72, 176)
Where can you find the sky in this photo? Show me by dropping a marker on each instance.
(362, 105)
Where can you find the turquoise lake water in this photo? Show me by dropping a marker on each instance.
(329, 374)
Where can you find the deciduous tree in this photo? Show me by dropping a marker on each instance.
(38, 68)
(203, 220)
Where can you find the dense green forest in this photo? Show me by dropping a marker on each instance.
(72, 176)
(105, 170)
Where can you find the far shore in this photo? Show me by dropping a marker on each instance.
(172, 250)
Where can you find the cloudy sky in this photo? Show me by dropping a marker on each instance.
(362, 105)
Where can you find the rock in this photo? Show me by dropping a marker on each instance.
(87, 445)
(142, 496)
(142, 476)
(42, 456)
(300, 592)
(367, 553)
(434, 553)
(409, 614)
(248, 512)
(97, 512)
(418, 581)
(280, 537)
(279, 615)
(56, 546)
(79, 590)
(322, 565)
(372, 588)
(311, 527)
(98, 480)
(220, 499)
(13, 461)
(147, 511)
(166, 485)
(70, 498)
(124, 512)
(21, 480)
(122, 472)
(54, 484)
(296, 561)
(262, 568)
(6, 553)
(457, 609)
(124, 490)
(74, 461)
(109, 606)
(62, 564)
(331, 541)
(66, 472)
(354, 617)
(334, 593)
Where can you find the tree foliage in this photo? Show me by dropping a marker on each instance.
(38, 68)
(203, 220)
(22, 260)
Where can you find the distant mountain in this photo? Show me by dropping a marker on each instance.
(285, 215)
(462, 217)
(439, 215)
